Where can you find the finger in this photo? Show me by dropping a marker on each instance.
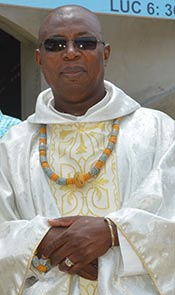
(83, 263)
(54, 245)
(63, 221)
(80, 260)
(88, 275)
(89, 270)
(58, 256)
(81, 266)
(66, 264)
(94, 263)
(74, 267)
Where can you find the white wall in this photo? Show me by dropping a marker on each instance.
(143, 59)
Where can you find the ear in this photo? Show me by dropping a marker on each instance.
(107, 50)
(38, 57)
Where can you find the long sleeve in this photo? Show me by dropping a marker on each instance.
(148, 223)
(18, 241)
(26, 204)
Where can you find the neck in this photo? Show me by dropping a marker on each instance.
(77, 107)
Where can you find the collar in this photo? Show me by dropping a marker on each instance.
(115, 104)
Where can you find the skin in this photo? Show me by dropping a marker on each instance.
(74, 92)
(77, 81)
(82, 239)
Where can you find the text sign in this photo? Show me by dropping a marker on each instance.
(142, 8)
(156, 8)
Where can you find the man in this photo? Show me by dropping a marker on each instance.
(6, 122)
(80, 213)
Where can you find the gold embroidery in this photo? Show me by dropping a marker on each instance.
(100, 196)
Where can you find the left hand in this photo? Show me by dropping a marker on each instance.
(85, 239)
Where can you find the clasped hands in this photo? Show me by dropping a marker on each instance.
(81, 239)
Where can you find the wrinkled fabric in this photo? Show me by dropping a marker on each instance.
(144, 211)
(153, 206)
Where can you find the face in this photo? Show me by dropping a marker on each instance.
(73, 74)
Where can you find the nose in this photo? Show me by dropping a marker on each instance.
(71, 52)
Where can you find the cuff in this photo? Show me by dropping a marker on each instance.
(131, 263)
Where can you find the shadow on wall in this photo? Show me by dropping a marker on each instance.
(10, 75)
(160, 98)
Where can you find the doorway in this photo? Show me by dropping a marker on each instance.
(10, 75)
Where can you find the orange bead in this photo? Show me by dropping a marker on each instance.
(116, 126)
(99, 164)
(43, 140)
(44, 164)
(107, 152)
(87, 176)
(42, 130)
(42, 153)
(113, 139)
(54, 177)
(41, 268)
(70, 181)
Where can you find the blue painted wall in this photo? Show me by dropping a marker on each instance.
(142, 8)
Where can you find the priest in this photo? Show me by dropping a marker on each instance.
(86, 206)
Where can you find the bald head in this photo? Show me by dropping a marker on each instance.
(72, 57)
(69, 13)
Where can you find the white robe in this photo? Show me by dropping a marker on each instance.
(145, 217)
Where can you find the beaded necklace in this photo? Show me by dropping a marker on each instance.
(79, 179)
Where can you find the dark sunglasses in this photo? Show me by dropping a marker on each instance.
(82, 43)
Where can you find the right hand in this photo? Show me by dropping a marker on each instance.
(89, 272)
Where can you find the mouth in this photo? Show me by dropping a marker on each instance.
(72, 71)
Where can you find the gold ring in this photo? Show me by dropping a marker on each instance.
(68, 262)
